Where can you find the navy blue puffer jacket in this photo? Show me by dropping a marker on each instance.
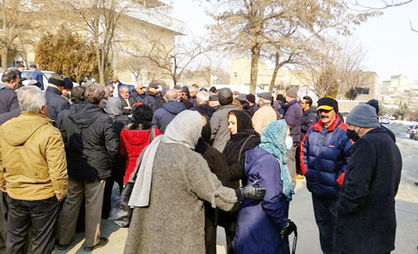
(325, 153)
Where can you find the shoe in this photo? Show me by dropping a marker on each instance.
(102, 242)
(300, 176)
(62, 246)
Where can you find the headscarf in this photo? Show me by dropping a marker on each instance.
(114, 107)
(273, 141)
(185, 129)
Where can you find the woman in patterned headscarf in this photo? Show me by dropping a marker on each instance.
(260, 223)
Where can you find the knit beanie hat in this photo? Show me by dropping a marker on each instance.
(251, 98)
(142, 114)
(363, 115)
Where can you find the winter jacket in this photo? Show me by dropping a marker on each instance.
(8, 99)
(163, 116)
(309, 118)
(32, 158)
(132, 142)
(259, 222)
(9, 115)
(38, 76)
(366, 220)
(91, 144)
(174, 220)
(204, 109)
(293, 117)
(55, 102)
(262, 117)
(324, 155)
(135, 97)
(219, 126)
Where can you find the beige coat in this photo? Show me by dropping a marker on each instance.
(174, 221)
(262, 117)
(32, 158)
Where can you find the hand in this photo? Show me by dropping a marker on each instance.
(290, 228)
(250, 191)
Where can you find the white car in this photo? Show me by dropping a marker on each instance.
(384, 120)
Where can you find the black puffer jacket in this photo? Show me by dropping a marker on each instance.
(55, 102)
(91, 143)
(8, 99)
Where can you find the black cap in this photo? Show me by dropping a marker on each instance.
(250, 97)
(153, 85)
(327, 103)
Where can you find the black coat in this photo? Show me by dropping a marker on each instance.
(366, 220)
(124, 104)
(8, 99)
(309, 118)
(55, 102)
(91, 143)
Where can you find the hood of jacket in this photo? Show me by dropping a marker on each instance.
(18, 130)
(84, 114)
(174, 107)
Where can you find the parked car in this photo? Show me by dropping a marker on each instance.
(409, 129)
(385, 120)
(413, 134)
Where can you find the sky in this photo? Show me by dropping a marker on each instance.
(390, 45)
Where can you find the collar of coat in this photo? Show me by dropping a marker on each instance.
(337, 123)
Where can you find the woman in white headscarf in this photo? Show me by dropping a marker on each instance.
(172, 182)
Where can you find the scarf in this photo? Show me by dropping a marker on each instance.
(273, 141)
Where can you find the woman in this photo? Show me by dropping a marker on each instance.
(172, 182)
(260, 223)
(243, 138)
(135, 137)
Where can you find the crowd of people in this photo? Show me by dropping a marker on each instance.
(199, 158)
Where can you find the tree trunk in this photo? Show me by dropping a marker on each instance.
(100, 66)
(255, 56)
(276, 70)
(4, 52)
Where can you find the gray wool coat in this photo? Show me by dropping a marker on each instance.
(219, 127)
(174, 221)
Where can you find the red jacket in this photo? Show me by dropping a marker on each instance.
(132, 142)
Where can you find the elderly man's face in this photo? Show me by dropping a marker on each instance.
(327, 116)
(124, 92)
(152, 90)
(140, 89)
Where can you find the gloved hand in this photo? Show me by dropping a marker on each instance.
(290, 228)
(250, 191)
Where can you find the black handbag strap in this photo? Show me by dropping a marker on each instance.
(243, 146)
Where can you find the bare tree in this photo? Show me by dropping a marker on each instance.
(335, 69)
(247, 26)
(174, 60)
(367, 5)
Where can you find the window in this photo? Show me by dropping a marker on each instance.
(360, 90)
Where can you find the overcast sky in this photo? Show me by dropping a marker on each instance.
(390, 45)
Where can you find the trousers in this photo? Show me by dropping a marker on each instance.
(93, 192)
(325, 217)
(40, 216)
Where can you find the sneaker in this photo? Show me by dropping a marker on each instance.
(300, 176)
(102, 242)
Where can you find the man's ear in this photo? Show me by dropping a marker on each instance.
(43, 110)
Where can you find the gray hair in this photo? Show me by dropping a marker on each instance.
(171, 95)
(94, 93)
(30, 99)
(202, 96)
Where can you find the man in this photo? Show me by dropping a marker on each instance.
(68, 85)
(214, 101)
(265, 114)
(164, 115)
(110, 89)
(91, 145)
(309, 118)
(202, 100)
(37, 75)
(116, 84)
(33, 172)
(138, 95)
(366, 220)
(124, 96)
(152, 93)
(252, 107)
(193, 93)
(9, 106)
(54, 99)
(293, 117)
(218, 122)
(324, 159)
(19, 69)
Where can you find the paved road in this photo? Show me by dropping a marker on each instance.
(301, 210)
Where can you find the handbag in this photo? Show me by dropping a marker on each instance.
(124, 213)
